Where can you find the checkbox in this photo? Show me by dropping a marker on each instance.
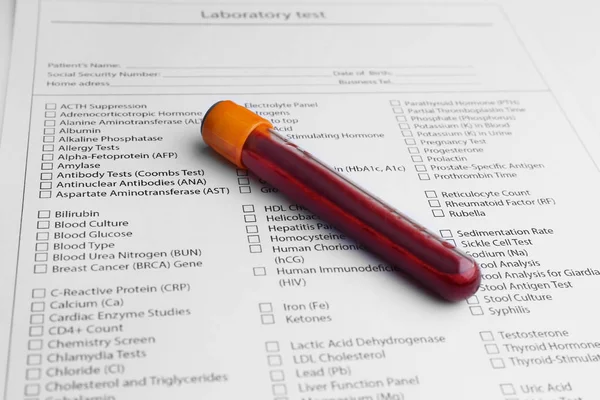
(272, 347)
(253, 239)
(250, 218)
(245, 189)
(50, 114)
(38, 306)
(259, 271)
(243, 181)
(277, 375)
(507, 388)
(43, 214)
(279, 388)
(267, 319)
(46, 176)
(416, 158)
(434, 203)
(47, 147)
(445, 233)
(451, 241)
(45, 185)
(33, 374)
(431, 194)
(400, 118)
(410, 142)
(49, 131)
(395, 103)
(49, 122)
(35, 344)
(242, 172)
(41, 257)
(38, 293)
(420, 168)
(248, 208)
(438, 213)
(274, 360)
(47, 157)
(251, 228)
(497, 363)
(413, 150)
(41, 247)
(43, 224)
(492, 349)
(47, 166)
(32, 390)
(36, 319)
(407, 133)
(255, 248)
(486, 336)
(48, 139)
(424, 177)
(42, 236)
(35, 331)
(473, 300)
(34, 359)
(45, 194)
(404, 126)
(476, 310)
(265, 307)
(40, 268)
(398, 110)
(50, 106)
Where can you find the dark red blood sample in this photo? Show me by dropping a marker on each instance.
(436, 264)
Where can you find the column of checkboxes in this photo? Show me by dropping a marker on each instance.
(420, 168)
(252, 235)
(35, 343)
(409, 140)
(277, 375)
(42, 243)
(448, 236)
(474, 308)
(243, 181)
(434, 203)
(400, 117)
(266, 313)
(492, 349)
(48, 151)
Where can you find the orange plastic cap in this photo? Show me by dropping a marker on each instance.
(226, 126)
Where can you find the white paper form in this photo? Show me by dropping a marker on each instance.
(137, 264)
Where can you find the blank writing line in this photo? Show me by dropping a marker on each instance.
(307, 67)
(312, 84)
(226, 85)
(310, 76)
(249, 76)
(433, 75)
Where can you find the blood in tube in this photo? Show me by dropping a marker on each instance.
(250, 141)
